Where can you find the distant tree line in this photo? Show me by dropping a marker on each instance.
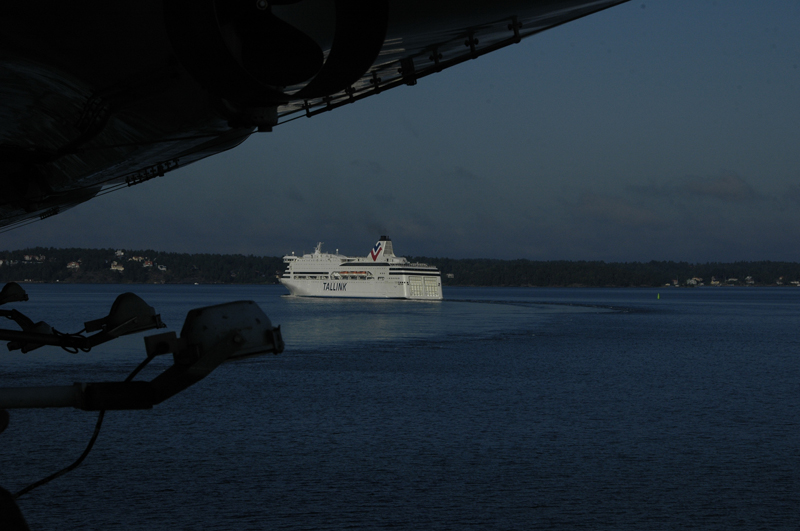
(42, 264)
(559, 273)
(136, 266)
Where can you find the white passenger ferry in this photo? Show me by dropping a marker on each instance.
(380, 275)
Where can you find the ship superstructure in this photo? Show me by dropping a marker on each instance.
(380, 275)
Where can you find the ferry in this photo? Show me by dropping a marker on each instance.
(379, 275)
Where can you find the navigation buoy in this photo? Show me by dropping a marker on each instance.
(658, 296)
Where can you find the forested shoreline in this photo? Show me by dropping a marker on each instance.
(110, 266)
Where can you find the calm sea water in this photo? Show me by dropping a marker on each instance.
(494, 409)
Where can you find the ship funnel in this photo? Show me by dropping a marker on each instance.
(386, 243)
(383, 247)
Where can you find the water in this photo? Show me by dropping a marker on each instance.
(494, 409)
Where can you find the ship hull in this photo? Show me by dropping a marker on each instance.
(411, 287)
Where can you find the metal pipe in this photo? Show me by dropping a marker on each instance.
(32, 397)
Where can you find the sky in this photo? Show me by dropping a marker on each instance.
(655, 130)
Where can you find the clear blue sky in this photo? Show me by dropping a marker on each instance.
(656, 130)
